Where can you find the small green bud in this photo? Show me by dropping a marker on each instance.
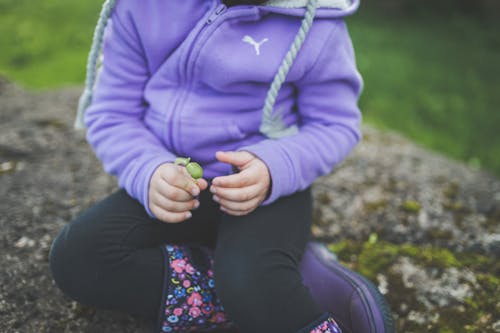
(182, 161)
(195, 170)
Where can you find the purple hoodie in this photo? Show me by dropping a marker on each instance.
(189, 78)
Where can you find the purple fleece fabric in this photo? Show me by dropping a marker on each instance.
(182, 78)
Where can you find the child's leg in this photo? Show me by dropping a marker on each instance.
(111, 256)
(256, 267)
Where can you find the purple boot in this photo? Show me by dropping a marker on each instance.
(355, 302)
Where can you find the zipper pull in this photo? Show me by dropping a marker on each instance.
(217, 12)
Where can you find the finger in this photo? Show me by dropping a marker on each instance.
(242, 179)
(173, 193)
(169, 217)
(175, 206)
(237, 206)
(184, 182)
(236, 194)
(236, 213)
(202, 184)
(236, 158)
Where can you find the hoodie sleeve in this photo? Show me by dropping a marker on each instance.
(115, 129)
(330, 120)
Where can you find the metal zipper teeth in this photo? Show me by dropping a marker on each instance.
(219, 10)
(179, 97)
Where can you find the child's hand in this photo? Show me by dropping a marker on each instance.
(172, 191)
(241, 193)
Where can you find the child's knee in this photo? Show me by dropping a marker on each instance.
(71, 263)
(253, 277)
(61, 261)
(235, 281)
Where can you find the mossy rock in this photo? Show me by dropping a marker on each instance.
(379, 260)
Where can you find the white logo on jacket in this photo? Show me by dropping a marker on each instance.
(256, 45)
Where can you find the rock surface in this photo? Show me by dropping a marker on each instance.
(424, 228)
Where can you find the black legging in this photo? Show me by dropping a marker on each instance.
(110, 257)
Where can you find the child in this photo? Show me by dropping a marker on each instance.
(193, 78)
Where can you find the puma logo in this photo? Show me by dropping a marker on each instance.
(256, 45)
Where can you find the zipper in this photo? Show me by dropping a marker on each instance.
(219, 10)
(212, 17)
(185, 75)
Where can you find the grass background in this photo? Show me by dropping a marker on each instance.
(434, 76)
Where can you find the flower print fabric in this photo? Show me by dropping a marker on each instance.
(191, 303)
(328, 326)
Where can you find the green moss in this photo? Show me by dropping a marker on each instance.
(375, 205)
(376, 257)
(450, 191)
(431, 256)
(437, 234)
(373, 257)
(324, 198)
(411, 206)
(480, 263)
(484, 305)
(346, 250)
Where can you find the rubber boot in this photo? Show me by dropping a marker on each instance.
(356, 304)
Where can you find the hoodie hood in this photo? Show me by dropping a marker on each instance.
(325, 8)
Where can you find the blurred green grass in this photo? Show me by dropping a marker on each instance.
(436, 79)
(44, 44)
(433, 78)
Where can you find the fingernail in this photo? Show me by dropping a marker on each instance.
(213, 189)
(195, 191)
(196, 204)
(216, 198)
(189, 215)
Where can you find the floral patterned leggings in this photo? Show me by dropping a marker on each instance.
(112, 257)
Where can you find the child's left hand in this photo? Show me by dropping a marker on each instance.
(240, 193)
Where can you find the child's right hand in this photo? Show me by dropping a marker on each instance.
(172, 193)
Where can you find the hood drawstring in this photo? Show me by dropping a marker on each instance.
(273, 125)
(95, 51)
